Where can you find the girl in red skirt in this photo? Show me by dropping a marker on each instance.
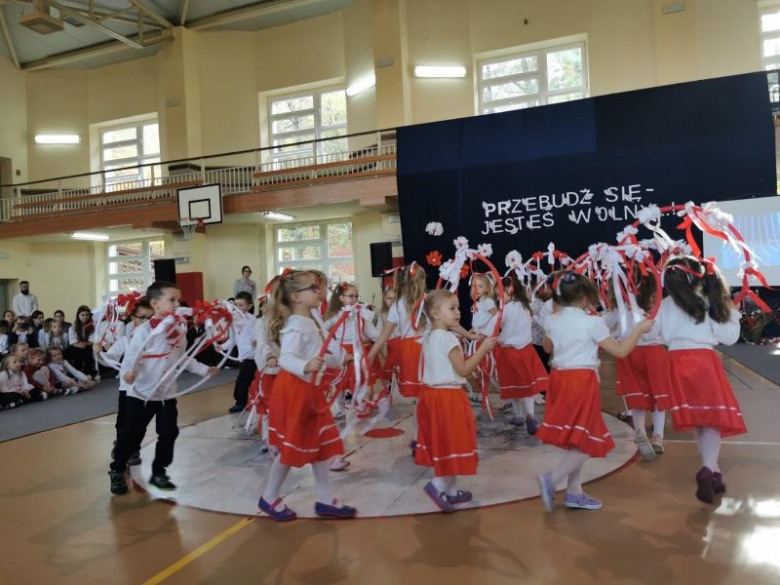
(697, 315)
(573, 419)
(643, 378)
(391, 365)
(267, 361)
(521, 375)
(301, 425)
(447, 436)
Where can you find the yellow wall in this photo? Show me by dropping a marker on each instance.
(13, 119)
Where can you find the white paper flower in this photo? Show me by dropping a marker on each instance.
(434, 228)
(485, 250)
(461, 243)
(648, 214)
(551, 253)
(623, 234)
(514, 259)
(445, 270)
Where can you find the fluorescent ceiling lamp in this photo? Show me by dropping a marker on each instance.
(439, 71)
(277, 216)
(89, 237)
(362, 85)
(57, 139)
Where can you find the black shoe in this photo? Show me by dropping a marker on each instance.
(118, 483)
(134, 460)
(162, 482)
(236, 408)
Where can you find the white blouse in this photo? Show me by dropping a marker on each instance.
(437, 367)
(678, 330)
(265, 348)
(575, 336)
(14, 382)
(105, 336)
(399, 317)
(481, 317)
(516, 326)
(301, 342)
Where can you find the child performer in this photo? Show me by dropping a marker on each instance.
(143, 372)
(573, 418)
(447, 435)
(484, 307)
(245, 342)
(521, 375)
(393, 355)
(267, 362)
(696, 316)
(643, 378)
(301, 425)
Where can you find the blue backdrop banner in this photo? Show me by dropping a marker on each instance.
(576, 173)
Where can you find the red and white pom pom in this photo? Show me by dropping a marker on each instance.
(485, 250)
(514, 260)
(434, 228)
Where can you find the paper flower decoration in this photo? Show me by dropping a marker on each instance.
(434, 258)
(514, 259)
(434, 228)
(485, 250)
(461, 243)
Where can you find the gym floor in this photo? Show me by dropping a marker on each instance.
(62, 525)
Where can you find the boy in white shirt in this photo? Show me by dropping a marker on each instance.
(146, 363)
(245, 342)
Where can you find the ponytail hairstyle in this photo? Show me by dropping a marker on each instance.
(519, 292)
(646, 290)
(83, 330)
(280, 300)
(697, 287)
(399, 285)
(334, 303)
(415, 287)
(570, 287)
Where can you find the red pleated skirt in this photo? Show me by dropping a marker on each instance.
(446, 432)
(644, 379)
(267, 382)
(409, 383)
(392, 359)
(300, 423)
(520, 372)
(572, 416)
(701, 393)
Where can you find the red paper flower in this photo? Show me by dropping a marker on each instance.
(434, 258)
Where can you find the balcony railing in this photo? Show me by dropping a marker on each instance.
(245, 171)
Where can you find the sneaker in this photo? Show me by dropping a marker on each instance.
(44, 395)
(413, 447)
(658, 444)
(283, 515)
(506, 407)
(531, 425)
(236, 408)
(134, 460)
(582, 502)
(460, 497)
(516, 421)
(339, 464)
(438, 498)
(705, 491)
(334, 511)
(162, 482)
(645, 448)
(118, 483)
(718, 485)
(547, 491)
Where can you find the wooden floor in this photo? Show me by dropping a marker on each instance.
(60, 524)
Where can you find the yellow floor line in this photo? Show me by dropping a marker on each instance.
(184, 561)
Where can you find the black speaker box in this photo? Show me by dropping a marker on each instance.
(165, 269)
(381, 258)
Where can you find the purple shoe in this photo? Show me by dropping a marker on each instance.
(582, 502)
(334, 511)
(440, 499)
(705, 490)
(718, 485)
(413, 447)
(283, 515)
(516, 421)
(531, 425)
(547, 490)
(461, 497)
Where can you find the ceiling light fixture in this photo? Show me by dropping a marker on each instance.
(57, 139)
(89, 237)
(439, 71)
(277, 216)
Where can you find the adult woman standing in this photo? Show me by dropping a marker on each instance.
(245, 283)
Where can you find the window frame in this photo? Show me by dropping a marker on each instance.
(305, 151)
(774, 61)
(145, 256)
(324, 260)
(543, 94)
(136, 161)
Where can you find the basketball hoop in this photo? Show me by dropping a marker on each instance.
(188, 226)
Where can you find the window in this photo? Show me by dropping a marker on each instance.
(546, 76)
(130, 264)
(770, 37)
(130, 145)
(305, 117)
(325, 246)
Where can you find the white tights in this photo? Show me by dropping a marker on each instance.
(569, 468)
(279, 473)
(527, 403)
(445, 484)
(708, 442)
(640, 416)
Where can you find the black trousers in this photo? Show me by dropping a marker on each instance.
(246, 373)
(130, 435)
(82, 358)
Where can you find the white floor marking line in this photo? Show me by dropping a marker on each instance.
(753, 443)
